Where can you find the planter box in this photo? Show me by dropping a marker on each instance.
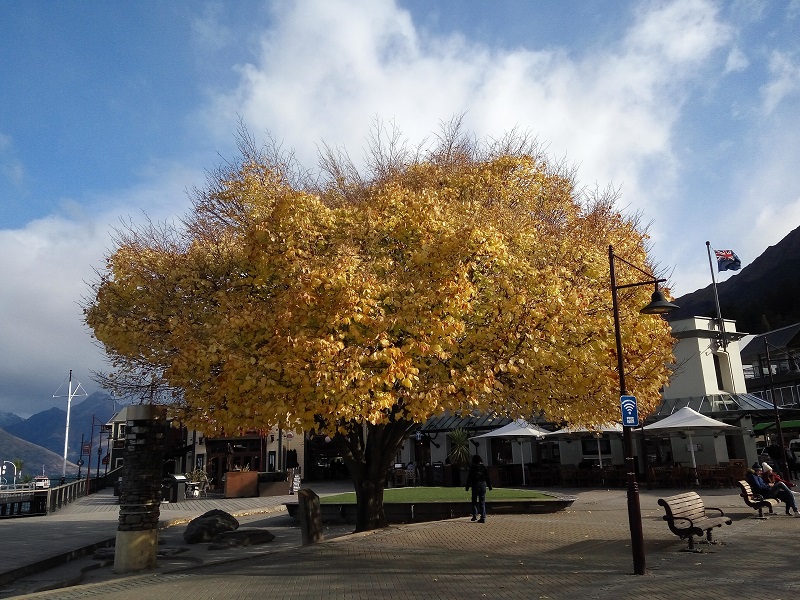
(274, 488)
(241, 484)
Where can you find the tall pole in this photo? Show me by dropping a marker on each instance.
(634, 508)
(108, 455)
(99, 451)
(66, 432)
(784, 466)
(71, 393)
(716, 299)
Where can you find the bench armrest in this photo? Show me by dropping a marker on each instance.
(719, 510)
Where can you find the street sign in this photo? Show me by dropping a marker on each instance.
(630, 412)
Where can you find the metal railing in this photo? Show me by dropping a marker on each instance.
(787, 396)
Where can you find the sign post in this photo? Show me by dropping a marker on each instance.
(630, 411)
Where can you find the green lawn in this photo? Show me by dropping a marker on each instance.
(438, 494)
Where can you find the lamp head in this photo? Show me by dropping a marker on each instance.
(658, 304)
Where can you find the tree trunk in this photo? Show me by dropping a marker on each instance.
(369, 451)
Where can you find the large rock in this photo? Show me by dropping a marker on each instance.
(208, 526)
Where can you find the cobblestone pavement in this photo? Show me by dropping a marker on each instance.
(583, 552)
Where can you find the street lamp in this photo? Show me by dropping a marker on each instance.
(658, 306)
(8, 462)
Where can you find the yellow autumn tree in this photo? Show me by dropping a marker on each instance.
(360, 303)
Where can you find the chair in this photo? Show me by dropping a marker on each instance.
(411, 476)
(400, 477)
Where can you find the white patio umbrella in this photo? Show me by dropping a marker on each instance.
(519, 430)
(688, 420)
(579, 431)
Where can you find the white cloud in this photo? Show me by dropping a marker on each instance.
(209, 30)
(785, 72)
(793, 10)
(328, 67)
(54, 258)
(737, 61)
(682, 32)
(43, 286)
(10, 167)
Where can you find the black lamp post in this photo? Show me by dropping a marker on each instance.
(784, 466)
(658, 306)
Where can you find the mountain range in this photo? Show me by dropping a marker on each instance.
(46, 430)
(759, 297)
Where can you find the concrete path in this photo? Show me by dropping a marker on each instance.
(583, 552)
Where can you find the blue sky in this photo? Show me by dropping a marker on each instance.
(110, 111)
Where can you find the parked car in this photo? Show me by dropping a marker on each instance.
(794, 446)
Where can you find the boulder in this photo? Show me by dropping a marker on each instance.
(208, 526)
(241, 537)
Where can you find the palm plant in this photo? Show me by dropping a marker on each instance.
(459, 447)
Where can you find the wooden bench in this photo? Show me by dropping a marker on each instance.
(688, 517)
(754, 501)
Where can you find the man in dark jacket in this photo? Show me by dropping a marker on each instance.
(776, 490)
(478, 480)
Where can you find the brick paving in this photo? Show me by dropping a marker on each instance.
(583, 552)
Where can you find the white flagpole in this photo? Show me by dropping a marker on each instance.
(66, 433)
(71, 393)
(716, 299)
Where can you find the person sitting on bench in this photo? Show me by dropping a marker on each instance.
(776, 490)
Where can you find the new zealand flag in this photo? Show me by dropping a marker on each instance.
(727, 260)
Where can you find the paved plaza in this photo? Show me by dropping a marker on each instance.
(582, 552)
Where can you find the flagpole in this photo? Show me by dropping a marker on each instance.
(716, 299)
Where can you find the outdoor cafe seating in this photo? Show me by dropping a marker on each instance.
(710, 476)
(404, 475)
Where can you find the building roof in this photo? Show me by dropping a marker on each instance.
(720, 405)
(779, 339)
(448, 422)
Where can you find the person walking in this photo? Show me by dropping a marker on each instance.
(478, 480)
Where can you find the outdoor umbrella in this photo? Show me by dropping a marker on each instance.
(519, 430)
(578, 432)
(688, 420)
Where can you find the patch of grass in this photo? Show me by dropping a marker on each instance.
(438, 494)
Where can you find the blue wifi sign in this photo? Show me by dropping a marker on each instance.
(630, 412)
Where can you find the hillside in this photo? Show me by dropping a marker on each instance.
(761, 297)
(34, 458)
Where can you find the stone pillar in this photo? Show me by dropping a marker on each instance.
(140, 497)
(310, 517)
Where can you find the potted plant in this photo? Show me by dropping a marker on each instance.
(459, 453)
(199, 480)
(241, 483)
